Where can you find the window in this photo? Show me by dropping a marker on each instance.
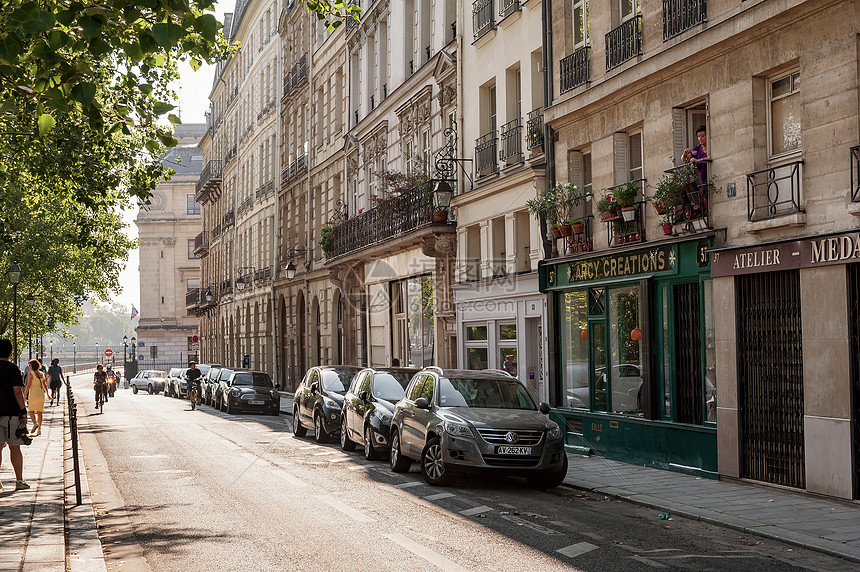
(629, 8)
(580, 23)
(191, 249)
(153, 352)
(192, 283)
(417, 386)
(635, 157)
(574, 349)
(476, 347)
(507, 352)
(784, 114)
(192, 207)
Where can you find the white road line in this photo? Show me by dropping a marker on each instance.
(577, 549)
(440, 496)
(506, 505)
(357, 467)
(523, 522)
(310, 447)
(338, 460)
(648, 561)
(427, 554)
(325, 453)
(409, 485)
(296, 482)
(339, 505)
(476, 510)
(148, 457)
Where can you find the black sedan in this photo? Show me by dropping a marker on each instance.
(251, 391)
(319, 400)
(368, 407)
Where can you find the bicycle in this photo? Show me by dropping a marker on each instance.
(101, 389)
(192, 395)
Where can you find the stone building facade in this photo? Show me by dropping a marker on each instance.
(167, 229)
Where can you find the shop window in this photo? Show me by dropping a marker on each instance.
(574, 350)
(413, 318)
(507, 352)
(625, 349)
(477, 354)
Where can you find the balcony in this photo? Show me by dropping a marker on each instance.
(855, 174)
(228, 220)
(192, 298)
(398, 216)
(512, 142)
(485, 154)
(226, 287)
(263, 275)
(247, 132)
(231, 154)
(483, 18)
(267, 109)
(210, 180)
(265, 190)
(233, 95)
(681, 15)
(534, 128)
(628, 227)
(245, 205)
(774, 192)
(216, 231)
(624, 42)
(575, 69)
(508, 7)
(201, 244)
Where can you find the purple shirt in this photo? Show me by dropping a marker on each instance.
(699, 153)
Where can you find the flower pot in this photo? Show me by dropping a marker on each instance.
(566, 230)
(660, 208)
(629, 213)
(609, 216)
(668, 228)
(440, 216)
(578, 228)
(556, 232)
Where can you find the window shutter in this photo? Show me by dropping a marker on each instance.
(622, 168)
(574, 168)
(679, 142)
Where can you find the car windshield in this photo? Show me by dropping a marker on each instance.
(225, 374)
(255, 378)
(158, 374)
(213, 373)
(174, 372)
(486, 393)
(204, 369)
(337, 379)
(390, 385)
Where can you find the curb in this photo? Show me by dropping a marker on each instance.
(742, 525)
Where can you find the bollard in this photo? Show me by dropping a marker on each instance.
(73, 427)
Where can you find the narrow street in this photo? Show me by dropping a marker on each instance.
(175, 489)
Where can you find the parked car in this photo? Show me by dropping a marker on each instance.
(219, 386)
(209, 384)
(368, 407)
(172, 384)
(247, 390)
(151, 380)
(319, 400)
(626, 389)
(460, 421)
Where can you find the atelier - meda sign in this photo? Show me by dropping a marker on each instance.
(807, 253)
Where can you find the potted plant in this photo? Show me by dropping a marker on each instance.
(625, 196)
(535, 137)
(607, 206)
(326, 238)
(548, 206)
(666, 224)
(577, 226)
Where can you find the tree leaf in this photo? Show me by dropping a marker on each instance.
(174, 119)
(207, 25)
(46, 123)
(41, 22)
(84, 93)
(91, 25)
(195, 64)
(167, 34)
(10, 48)
(160, 108)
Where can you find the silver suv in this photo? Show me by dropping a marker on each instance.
(459, 421)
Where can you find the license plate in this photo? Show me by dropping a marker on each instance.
(257, 402)
(506, 450)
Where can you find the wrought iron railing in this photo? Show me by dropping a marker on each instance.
(301, 163)
(265, 190)
(855, 173)
(233, 95)
(192, 297)
(624, 42)
(485, 153)
(285, 174)
(266, 110)
(247, 131)
(575, 69)
(287, 84)
(534, 128)
(210, 177)
(774, 191)
(512, 142)
(681, 15)
(398, 216)
(231, 154)
(225, 287)
(216, 231)
(228, 220)
(508, 7)
(628, 230)
(483, 17)
(693, 213)
(201, 243)
(263, 274)
(245, 205)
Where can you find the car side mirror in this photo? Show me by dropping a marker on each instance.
(314, 389)
(544, 408)
(363, 395)
(422, 403)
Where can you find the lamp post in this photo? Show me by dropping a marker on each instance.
(290, 268)
(124, 349)
(74, 357)
(14, 274)
(52, 350)
(133, 348)
(97, 353)
(29, 300)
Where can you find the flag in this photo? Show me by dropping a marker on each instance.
(133, 312)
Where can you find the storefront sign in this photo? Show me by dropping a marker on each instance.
(628, 264)
(808, 253)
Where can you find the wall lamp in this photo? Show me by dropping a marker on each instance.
(240, 281)
(290, 268)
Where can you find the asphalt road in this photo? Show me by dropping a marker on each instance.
(175, 489)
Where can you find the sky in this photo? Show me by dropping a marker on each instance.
(193, 91)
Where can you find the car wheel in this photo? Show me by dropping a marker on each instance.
(299, 430)
(345, 442)
(370, 453)
(550, 479)
(399, 463)
(228, 408)
(149, 388)
(432, 465)
(319, 429)
(134, 389)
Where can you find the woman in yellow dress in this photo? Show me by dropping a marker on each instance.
(35, 392)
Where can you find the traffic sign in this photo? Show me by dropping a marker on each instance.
(194, 339)
(108, 352)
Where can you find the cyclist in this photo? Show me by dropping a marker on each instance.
(100, 384)
(192, 378)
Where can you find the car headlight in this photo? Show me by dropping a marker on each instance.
(330, 403)
(235, 393)
(457, 429)
(554, 433)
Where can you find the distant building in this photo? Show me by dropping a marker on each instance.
(169, 268)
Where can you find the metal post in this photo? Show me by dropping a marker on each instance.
(15, 321)
(74, 357)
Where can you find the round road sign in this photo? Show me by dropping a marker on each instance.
(108, 352)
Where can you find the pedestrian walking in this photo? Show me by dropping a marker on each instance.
(55, 374)
(35, 393)
(13, 413)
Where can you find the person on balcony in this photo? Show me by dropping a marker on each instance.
(697, 154)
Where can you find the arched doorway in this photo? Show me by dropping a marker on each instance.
(301, 326)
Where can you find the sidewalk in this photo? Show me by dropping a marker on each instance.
(832, 527)
(35, 522)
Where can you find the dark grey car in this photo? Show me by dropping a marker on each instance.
(460, 421)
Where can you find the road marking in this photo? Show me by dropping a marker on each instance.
(171, 471)
(523, 522)
(357, 467)
(648, 561)
(577, 549)
(341, 506)
(591, 535)
(476, 510)
(338, 460)
(148, 457)
(506, 505)
(427, 554)
(325, 453)
(296, 482)
(409, 485)
(440, 496)
(310, 447)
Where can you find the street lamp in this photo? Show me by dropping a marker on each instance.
(14, 274)
(124, 350)
(290, 268)
(208, 295)
(30, 301)
(74, 357)
(52, 350)
(133, 348)
(97, 353)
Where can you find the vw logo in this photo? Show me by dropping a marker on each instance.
(511, 437)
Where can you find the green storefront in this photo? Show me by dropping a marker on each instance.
(632, 357)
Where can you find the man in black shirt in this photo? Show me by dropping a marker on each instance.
(13, 413)
(192, 377)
